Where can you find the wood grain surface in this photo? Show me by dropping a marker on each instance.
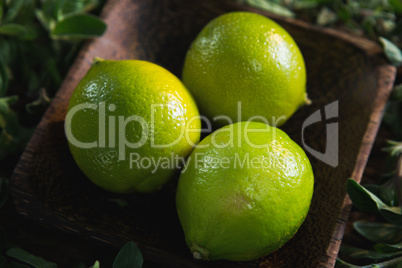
(49, 188)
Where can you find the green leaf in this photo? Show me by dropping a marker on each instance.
(367, 201)
(381, 247)
(386, 191)
(396, 6)
(316, 1)
(392, 263)
(391, 51)
(12, 29)
(19, 31)
(392, 214)
(7, 52)
(1, 10)
(326, 16)
(4, 105)
(47, 22)
(77, 6)
(5, 102)
(360, 197)
(95, 265)
(20, 11)
(270, 7)
(28, 258)
(129, 256)
(344, 13)
(394, 148)
(379, 232)
(368, 24)
(12, 9)
(79, 26)
(358, 253)
(307, 4)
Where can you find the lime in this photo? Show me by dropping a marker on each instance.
(242, 63)
(130, 125)
(243, 193)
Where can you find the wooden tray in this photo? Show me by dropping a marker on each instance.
(48, 187)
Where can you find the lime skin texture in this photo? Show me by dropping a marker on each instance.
(245, 191)
(245, 59)
(148, 114)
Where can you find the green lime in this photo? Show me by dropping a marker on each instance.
(130, 124)
(244, 63)
(243, 193)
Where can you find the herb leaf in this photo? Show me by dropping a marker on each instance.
(79, 26)
(364, 200)
(12, 29)
(396, 6)
(95, 265)
(358, 253)
(129, 256)
(28, 258)
(77, 6)
(269, 6)
(388, 247)
(392, 52)
(361, 198)
(379, 232)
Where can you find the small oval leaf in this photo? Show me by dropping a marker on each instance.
(359, 253)
(392, 52)
(12, 29)
(78, 26)
(361, 198)
(388, 248)
(379, 232)
(28, 258)
(129, 256)
(366, 201)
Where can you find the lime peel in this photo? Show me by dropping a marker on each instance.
(130, 87)
(246, 58)
(243, 212)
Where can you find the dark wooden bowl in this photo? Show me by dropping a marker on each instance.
(48, 187)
